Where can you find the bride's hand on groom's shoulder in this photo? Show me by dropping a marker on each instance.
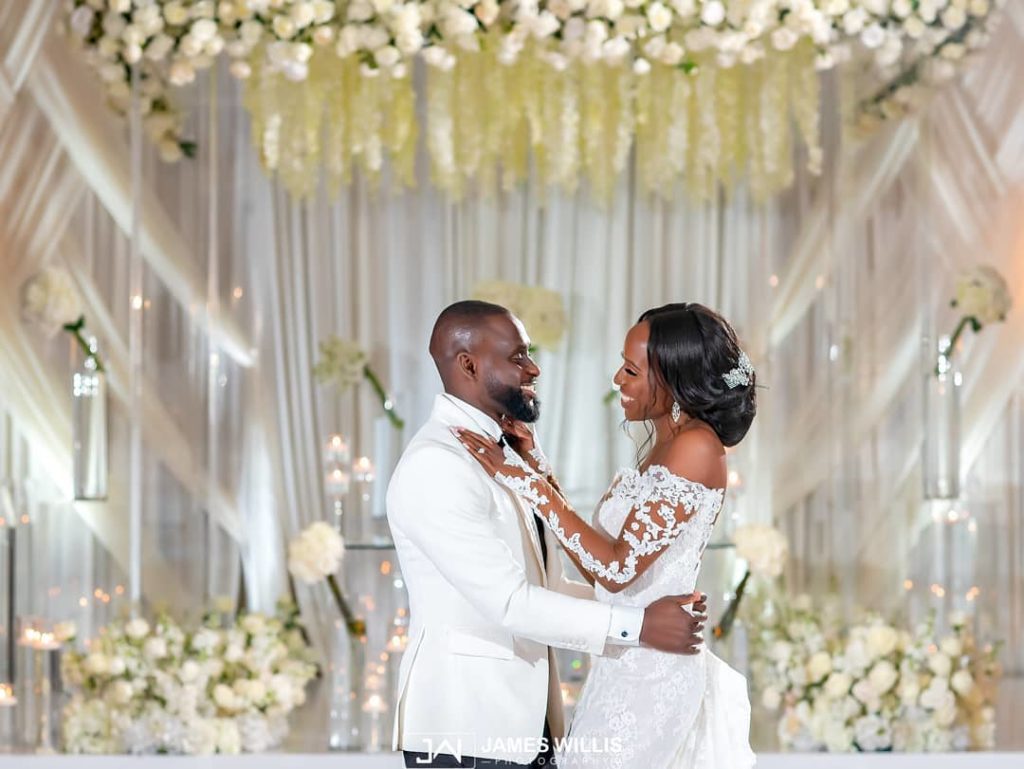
(488, 453)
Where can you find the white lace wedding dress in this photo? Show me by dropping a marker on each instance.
(668, 711)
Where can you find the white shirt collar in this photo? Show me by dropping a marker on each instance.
(468, 416)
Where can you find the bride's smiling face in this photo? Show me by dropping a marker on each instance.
(639, 393)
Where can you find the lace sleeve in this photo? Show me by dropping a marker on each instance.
(661, 505)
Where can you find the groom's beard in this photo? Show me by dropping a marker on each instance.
(513, 402)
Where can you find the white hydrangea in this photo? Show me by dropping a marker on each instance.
(315, 553)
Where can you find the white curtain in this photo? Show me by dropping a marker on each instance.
(832, 287)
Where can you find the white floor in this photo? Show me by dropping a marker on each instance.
(394, 761)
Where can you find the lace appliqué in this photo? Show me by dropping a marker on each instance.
(655, 497)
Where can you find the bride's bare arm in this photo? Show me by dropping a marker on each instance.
(666, 499)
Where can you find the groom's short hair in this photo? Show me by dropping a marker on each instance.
(456, 328)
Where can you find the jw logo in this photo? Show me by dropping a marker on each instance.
(459, 746)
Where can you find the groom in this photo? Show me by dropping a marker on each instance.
(478, 685)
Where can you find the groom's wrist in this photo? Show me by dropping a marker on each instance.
(625, 625)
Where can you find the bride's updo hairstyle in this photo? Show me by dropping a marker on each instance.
(694, 354)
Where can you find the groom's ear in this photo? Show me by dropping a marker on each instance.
(467, 365)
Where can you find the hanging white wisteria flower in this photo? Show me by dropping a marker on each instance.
(706, 91)
(541, 310)
(344, 364)
(982, 297)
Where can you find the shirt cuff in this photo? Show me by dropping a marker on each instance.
(626, 623)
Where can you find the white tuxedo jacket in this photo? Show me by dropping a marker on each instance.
(478, 676)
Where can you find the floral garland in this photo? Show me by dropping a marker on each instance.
(704, 90)
(160, 688)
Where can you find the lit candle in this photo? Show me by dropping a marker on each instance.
(363, 470)
(375, 704)
(337, 450)
(46, 642)
(7, 698)
(336, 483)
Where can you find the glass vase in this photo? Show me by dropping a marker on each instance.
(345, 677)
(941, 442)
(89, 430)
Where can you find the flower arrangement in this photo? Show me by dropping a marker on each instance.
(875, 687)
(541, 310)
(51, 302)
(344, 364)
(162, 688)
(574, 81)
(315, 555)
(765, 550)
(982, 297)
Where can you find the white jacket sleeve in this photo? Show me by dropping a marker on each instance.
(439, 500)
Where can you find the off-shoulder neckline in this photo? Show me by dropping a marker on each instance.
(654, 465)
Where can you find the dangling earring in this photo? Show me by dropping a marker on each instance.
(677, 412)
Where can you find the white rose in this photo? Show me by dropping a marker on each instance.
(819, 666)
(962, 682)
(181, 72)
(170, 150)
(953, 18)
(50, 300)
(614, 50)
(315, 553)
(120, 6)
(120, 692)
(872, 36)
(303, 14)
(189, 671)
(487, 12)
(838, 685)
(780, 651)
(939, 664)
(883, 676)
(951, 646)
(783, 39)
(713, 13)
(771, 699)
(764, 548)
(229, 739)
(672, 54)
(175, 14)
(155, 648)
(902, 8)
(864, 691)
(881, 640)
(979, 7)
(908, 691)
(136, 628)
(224, 697)
(853, 22)
(982, 293)
(284, 27)
(97, 664)
(323, 11)
(659, 17)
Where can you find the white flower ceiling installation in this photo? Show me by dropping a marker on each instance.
(707, 92)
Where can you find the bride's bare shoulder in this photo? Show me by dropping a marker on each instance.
(698, 455)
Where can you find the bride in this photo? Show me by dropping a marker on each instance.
(684, 374)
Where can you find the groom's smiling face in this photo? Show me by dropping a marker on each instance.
(509, 375)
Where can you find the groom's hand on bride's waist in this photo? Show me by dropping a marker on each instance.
(674, 623)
